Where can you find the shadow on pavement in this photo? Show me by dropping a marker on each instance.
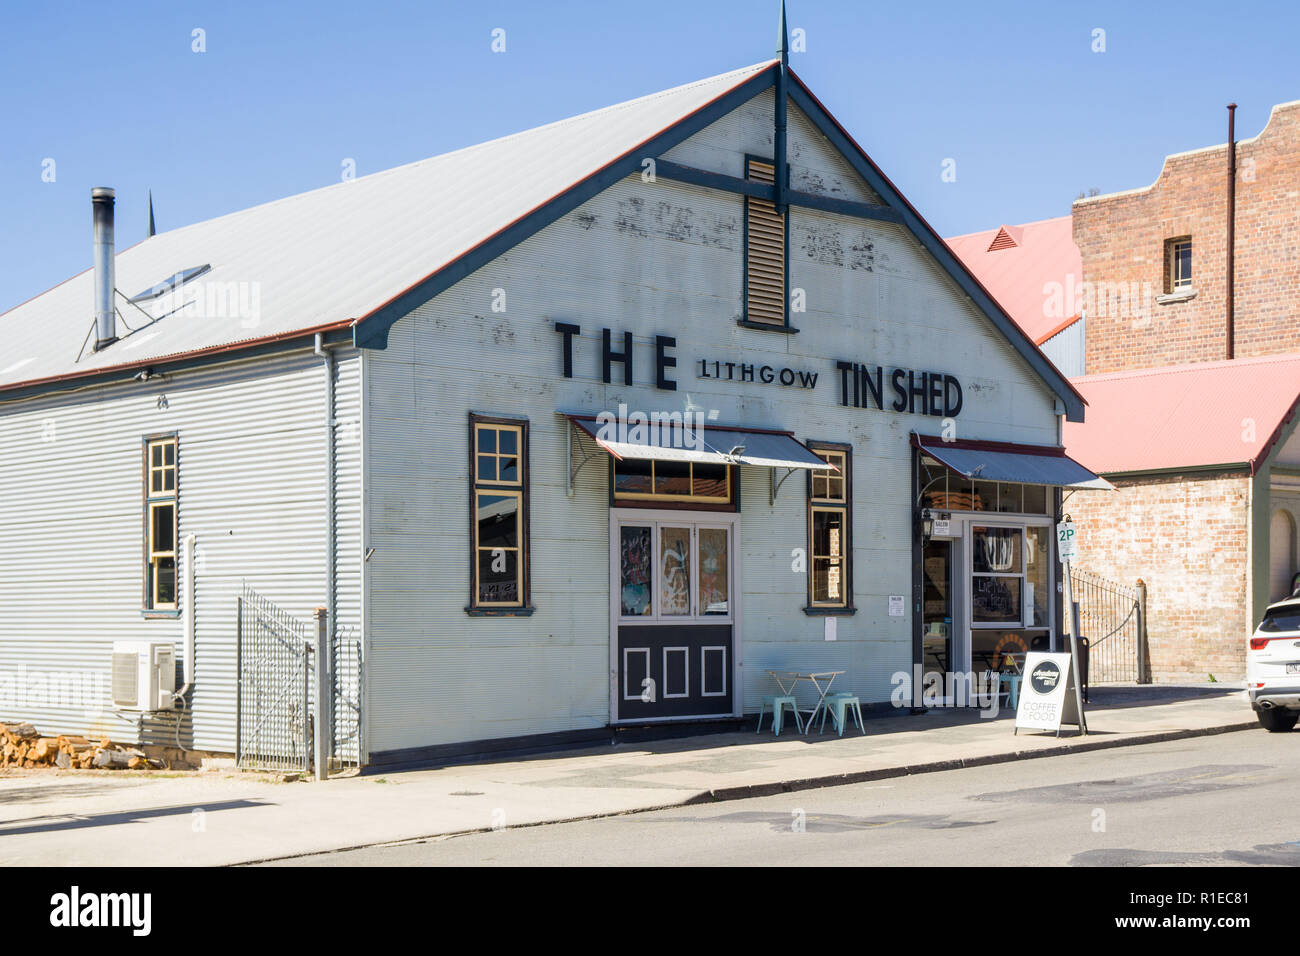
(65, 822)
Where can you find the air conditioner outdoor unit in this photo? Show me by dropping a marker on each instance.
(144, 675)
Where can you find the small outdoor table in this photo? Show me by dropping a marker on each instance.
(821, 681)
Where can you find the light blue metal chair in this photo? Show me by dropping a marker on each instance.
(777, 704)
(840, 706)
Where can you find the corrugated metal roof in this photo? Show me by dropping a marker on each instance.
(1184, 416)
(332, 255)
(1015, 262)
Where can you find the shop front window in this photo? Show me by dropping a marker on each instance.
(998, 575)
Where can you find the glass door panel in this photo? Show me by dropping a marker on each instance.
(635, 570)
(936, 620)
(674, 572)
(712, 560)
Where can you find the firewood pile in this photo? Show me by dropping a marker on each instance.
(23, 746)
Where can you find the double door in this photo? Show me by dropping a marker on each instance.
(673, 615)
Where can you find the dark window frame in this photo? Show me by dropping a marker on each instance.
(811, 504)
(475, 607)
(150, 500)
(1171, 278)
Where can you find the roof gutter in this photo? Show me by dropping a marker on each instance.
(204, 356)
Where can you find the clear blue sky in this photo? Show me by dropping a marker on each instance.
(113, 93)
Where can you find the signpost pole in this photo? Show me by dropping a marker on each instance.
(1074, 649)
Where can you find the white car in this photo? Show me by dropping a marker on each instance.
(1273, 666)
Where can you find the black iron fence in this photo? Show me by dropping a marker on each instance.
(1112, 617)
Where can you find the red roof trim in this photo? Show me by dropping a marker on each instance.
(1059, 329)
(178, 356)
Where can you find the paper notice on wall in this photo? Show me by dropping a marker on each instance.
(897, 605)
(830, 628)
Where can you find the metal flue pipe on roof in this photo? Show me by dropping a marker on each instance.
(101, 202)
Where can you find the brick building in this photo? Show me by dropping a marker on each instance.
(1205, 460)
(1155, 259)
(1202, 451)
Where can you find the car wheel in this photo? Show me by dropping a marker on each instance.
(1278, 721)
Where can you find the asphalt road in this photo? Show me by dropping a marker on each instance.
(1224, 800)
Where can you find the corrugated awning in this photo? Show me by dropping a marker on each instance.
(1007, 461)
(767, 448)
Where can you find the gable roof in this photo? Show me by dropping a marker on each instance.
(1016, 262)
(1186, 416)
(359, 255)
(324, 258)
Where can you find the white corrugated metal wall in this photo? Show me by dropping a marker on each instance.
(251, 479)
(652, 258)
(1066, 349)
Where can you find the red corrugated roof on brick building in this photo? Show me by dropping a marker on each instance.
(1015, 263)
(1185, 416)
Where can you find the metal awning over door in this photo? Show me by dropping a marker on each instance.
(1010, 462)
(674, 441)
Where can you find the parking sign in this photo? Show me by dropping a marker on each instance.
(1067, 541)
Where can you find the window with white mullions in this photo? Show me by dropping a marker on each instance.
(160, 519)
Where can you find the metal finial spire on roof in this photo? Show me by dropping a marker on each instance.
(783, 41)
(152, 228)
(778, 133)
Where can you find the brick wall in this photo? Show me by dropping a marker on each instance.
(1121, 239)
(1186, 536)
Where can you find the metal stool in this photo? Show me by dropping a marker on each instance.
(840, 706)
(777, 704)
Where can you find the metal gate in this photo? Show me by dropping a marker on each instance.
(347, 679)
(273, 695)
(1112, 617)
(276, 691)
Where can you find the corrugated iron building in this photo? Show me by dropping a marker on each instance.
(392, 397)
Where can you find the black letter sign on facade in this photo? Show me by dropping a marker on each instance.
(664, 362)
(625, 356)
(568, 330)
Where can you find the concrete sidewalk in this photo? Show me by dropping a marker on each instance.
(103, 818)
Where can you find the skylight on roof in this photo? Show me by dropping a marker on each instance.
(167, 285)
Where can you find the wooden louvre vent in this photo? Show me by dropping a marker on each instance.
(764, 253)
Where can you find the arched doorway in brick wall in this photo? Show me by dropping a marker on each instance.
(1282, 554)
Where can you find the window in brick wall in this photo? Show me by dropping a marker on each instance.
(1178, 264)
